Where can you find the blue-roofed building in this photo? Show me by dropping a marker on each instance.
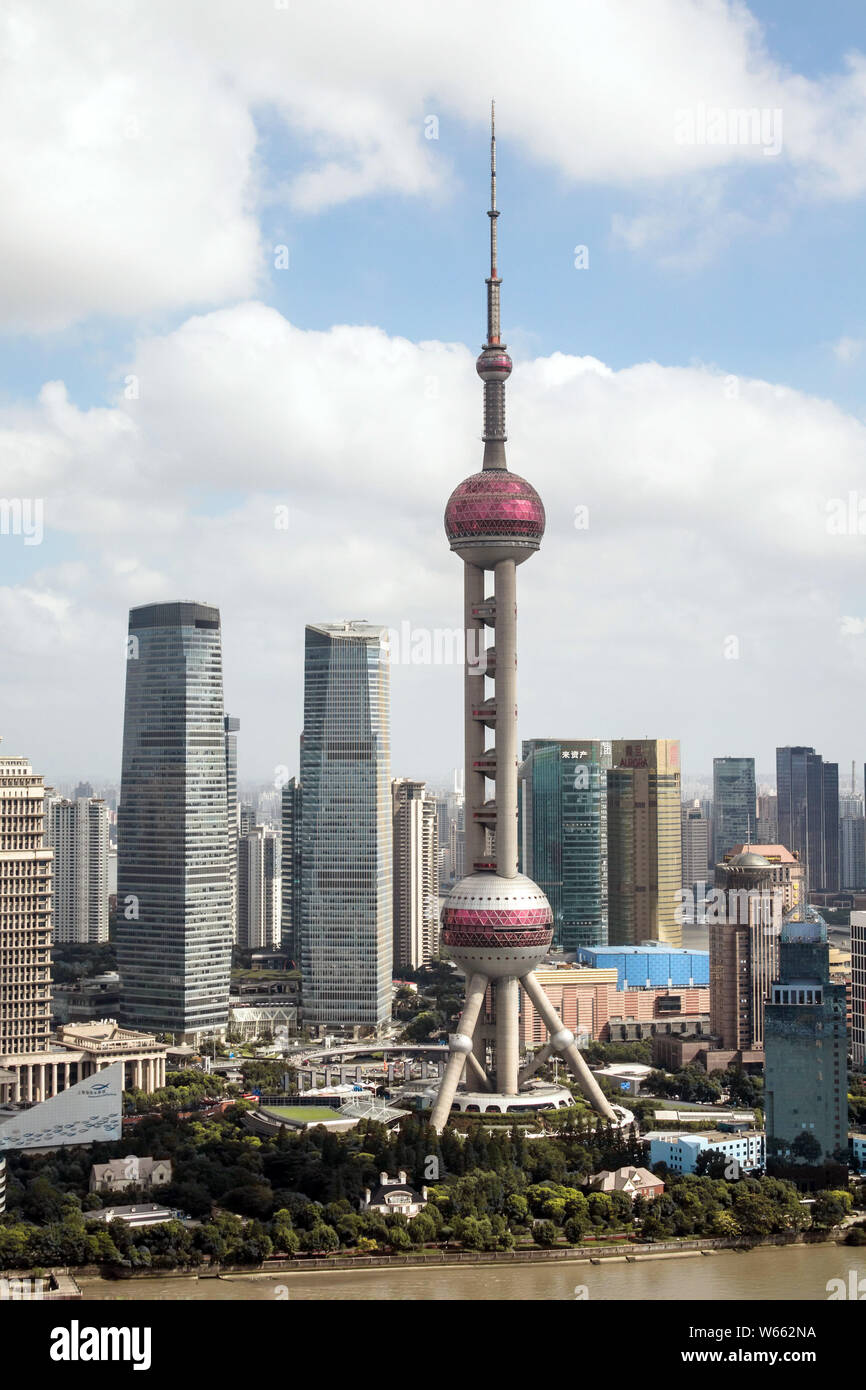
(652, 965)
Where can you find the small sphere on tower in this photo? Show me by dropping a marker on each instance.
(494, 364)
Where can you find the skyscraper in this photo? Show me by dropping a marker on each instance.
(644, 842)
(25, 910)
(174, 873)
(563, 834)
(734, 804)
(767, 829)
(231, 726)
(858, 988)
(805, 1039)
(744, 948)
(497, 924)
(852, 850)
(258, 890)
(416, 875)
(346, 853)
(290, 869)
(77, 831)
(695, 845)
(808, 796)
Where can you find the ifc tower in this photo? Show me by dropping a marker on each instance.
(496, 923)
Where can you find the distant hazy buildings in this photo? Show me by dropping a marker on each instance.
(258, 890)
(25, 910)
(346, 851)
(416, 874)
(77, 831)
(808, 798)
(174, 872)
(734, 804)
(695, 836)
(644, 847)
(806, 1044)
(767, 832)
(563, 834)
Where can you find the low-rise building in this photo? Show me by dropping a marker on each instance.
(78, 1051)
(120, 1173)
(394, 1194)
(625, 1076)
(679, 1151)
(634, 1182)
(858, 1149)
(142, 1214)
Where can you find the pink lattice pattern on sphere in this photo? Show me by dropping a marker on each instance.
(497, 917)
(494, 503)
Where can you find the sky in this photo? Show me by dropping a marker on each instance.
(242, 260)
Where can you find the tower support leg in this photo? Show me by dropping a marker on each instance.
(460, 1046)
(562, 1041)
(538, 1060)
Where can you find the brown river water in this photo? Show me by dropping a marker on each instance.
(769, 1272)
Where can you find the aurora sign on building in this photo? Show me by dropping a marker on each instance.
(84, 1114)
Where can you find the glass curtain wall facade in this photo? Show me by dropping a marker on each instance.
(174, 882)
(808, 808)
(562, 834)
(346, 848)
(734, 804)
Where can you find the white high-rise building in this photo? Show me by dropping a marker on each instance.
(77, 831)
(416, 886)
(858, 988)
(25, 910)
(258, 889)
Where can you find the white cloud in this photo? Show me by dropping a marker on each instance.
(707, 503)
(131, 180)
(847, 349)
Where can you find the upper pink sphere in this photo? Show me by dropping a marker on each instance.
(494, 364)
(495, 503)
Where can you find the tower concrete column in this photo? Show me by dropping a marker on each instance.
(473, 595)
(505, 583)
(507, 1005)
(460, 1045)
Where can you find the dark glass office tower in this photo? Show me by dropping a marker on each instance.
(174, 888)
(346, 851)
(806, 1045)
(734, 804)
(563, 834)
(808, 801)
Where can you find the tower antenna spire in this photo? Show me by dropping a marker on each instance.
(494, 364)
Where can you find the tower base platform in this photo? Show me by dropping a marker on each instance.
(527, 1102)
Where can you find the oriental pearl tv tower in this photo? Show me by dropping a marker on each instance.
(497, 925)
